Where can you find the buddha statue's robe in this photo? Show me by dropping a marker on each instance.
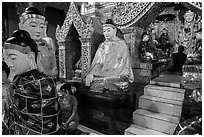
(46, 60)
(111, 67)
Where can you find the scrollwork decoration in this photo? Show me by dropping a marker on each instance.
(73, 16)
(85, 30)
(126, 14)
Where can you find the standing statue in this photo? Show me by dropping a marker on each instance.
(34, 22)
(111, 69)
(188, 33)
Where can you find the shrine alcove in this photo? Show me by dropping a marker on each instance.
(73, 50)
(83, 31)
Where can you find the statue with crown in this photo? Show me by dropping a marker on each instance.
(35, 23)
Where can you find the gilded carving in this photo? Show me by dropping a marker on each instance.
(85, 30)
(197, 4)
(73, 16)
(126, 14)
(62, 68)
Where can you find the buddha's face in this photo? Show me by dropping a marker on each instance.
(189, 16)
(17, 61)
(109, 32)
(35, 27)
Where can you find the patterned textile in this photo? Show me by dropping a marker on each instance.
(6, 102)
(35, 108)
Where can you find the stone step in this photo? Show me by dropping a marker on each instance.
(167, 80)
(164, 92)
(161, 105)
(139, 130)
(155, 121)
(161, 83)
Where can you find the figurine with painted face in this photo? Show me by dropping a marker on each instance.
(34, 107)
(189, 16)
(34, 22)
(110, 70)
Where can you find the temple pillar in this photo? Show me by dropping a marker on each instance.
(86, 55)
(62, 65)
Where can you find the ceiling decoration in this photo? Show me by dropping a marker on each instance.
(197, 4)
(126, 14)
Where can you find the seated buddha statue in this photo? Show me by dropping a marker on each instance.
(110, 71)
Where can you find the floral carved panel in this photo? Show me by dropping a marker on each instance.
(126, 14)
(84, 29)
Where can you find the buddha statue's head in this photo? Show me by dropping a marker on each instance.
(109, 29)
(20, 47)
(33, 22)
(189, 16)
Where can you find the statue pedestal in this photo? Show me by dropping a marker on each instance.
(103, 111)
(144, 72)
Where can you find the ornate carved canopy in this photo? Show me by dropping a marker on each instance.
(197, 4)
(85, 29)
(126, 14)
(142, 13)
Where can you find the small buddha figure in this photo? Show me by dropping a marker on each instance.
(110, 71)
(34, 22)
